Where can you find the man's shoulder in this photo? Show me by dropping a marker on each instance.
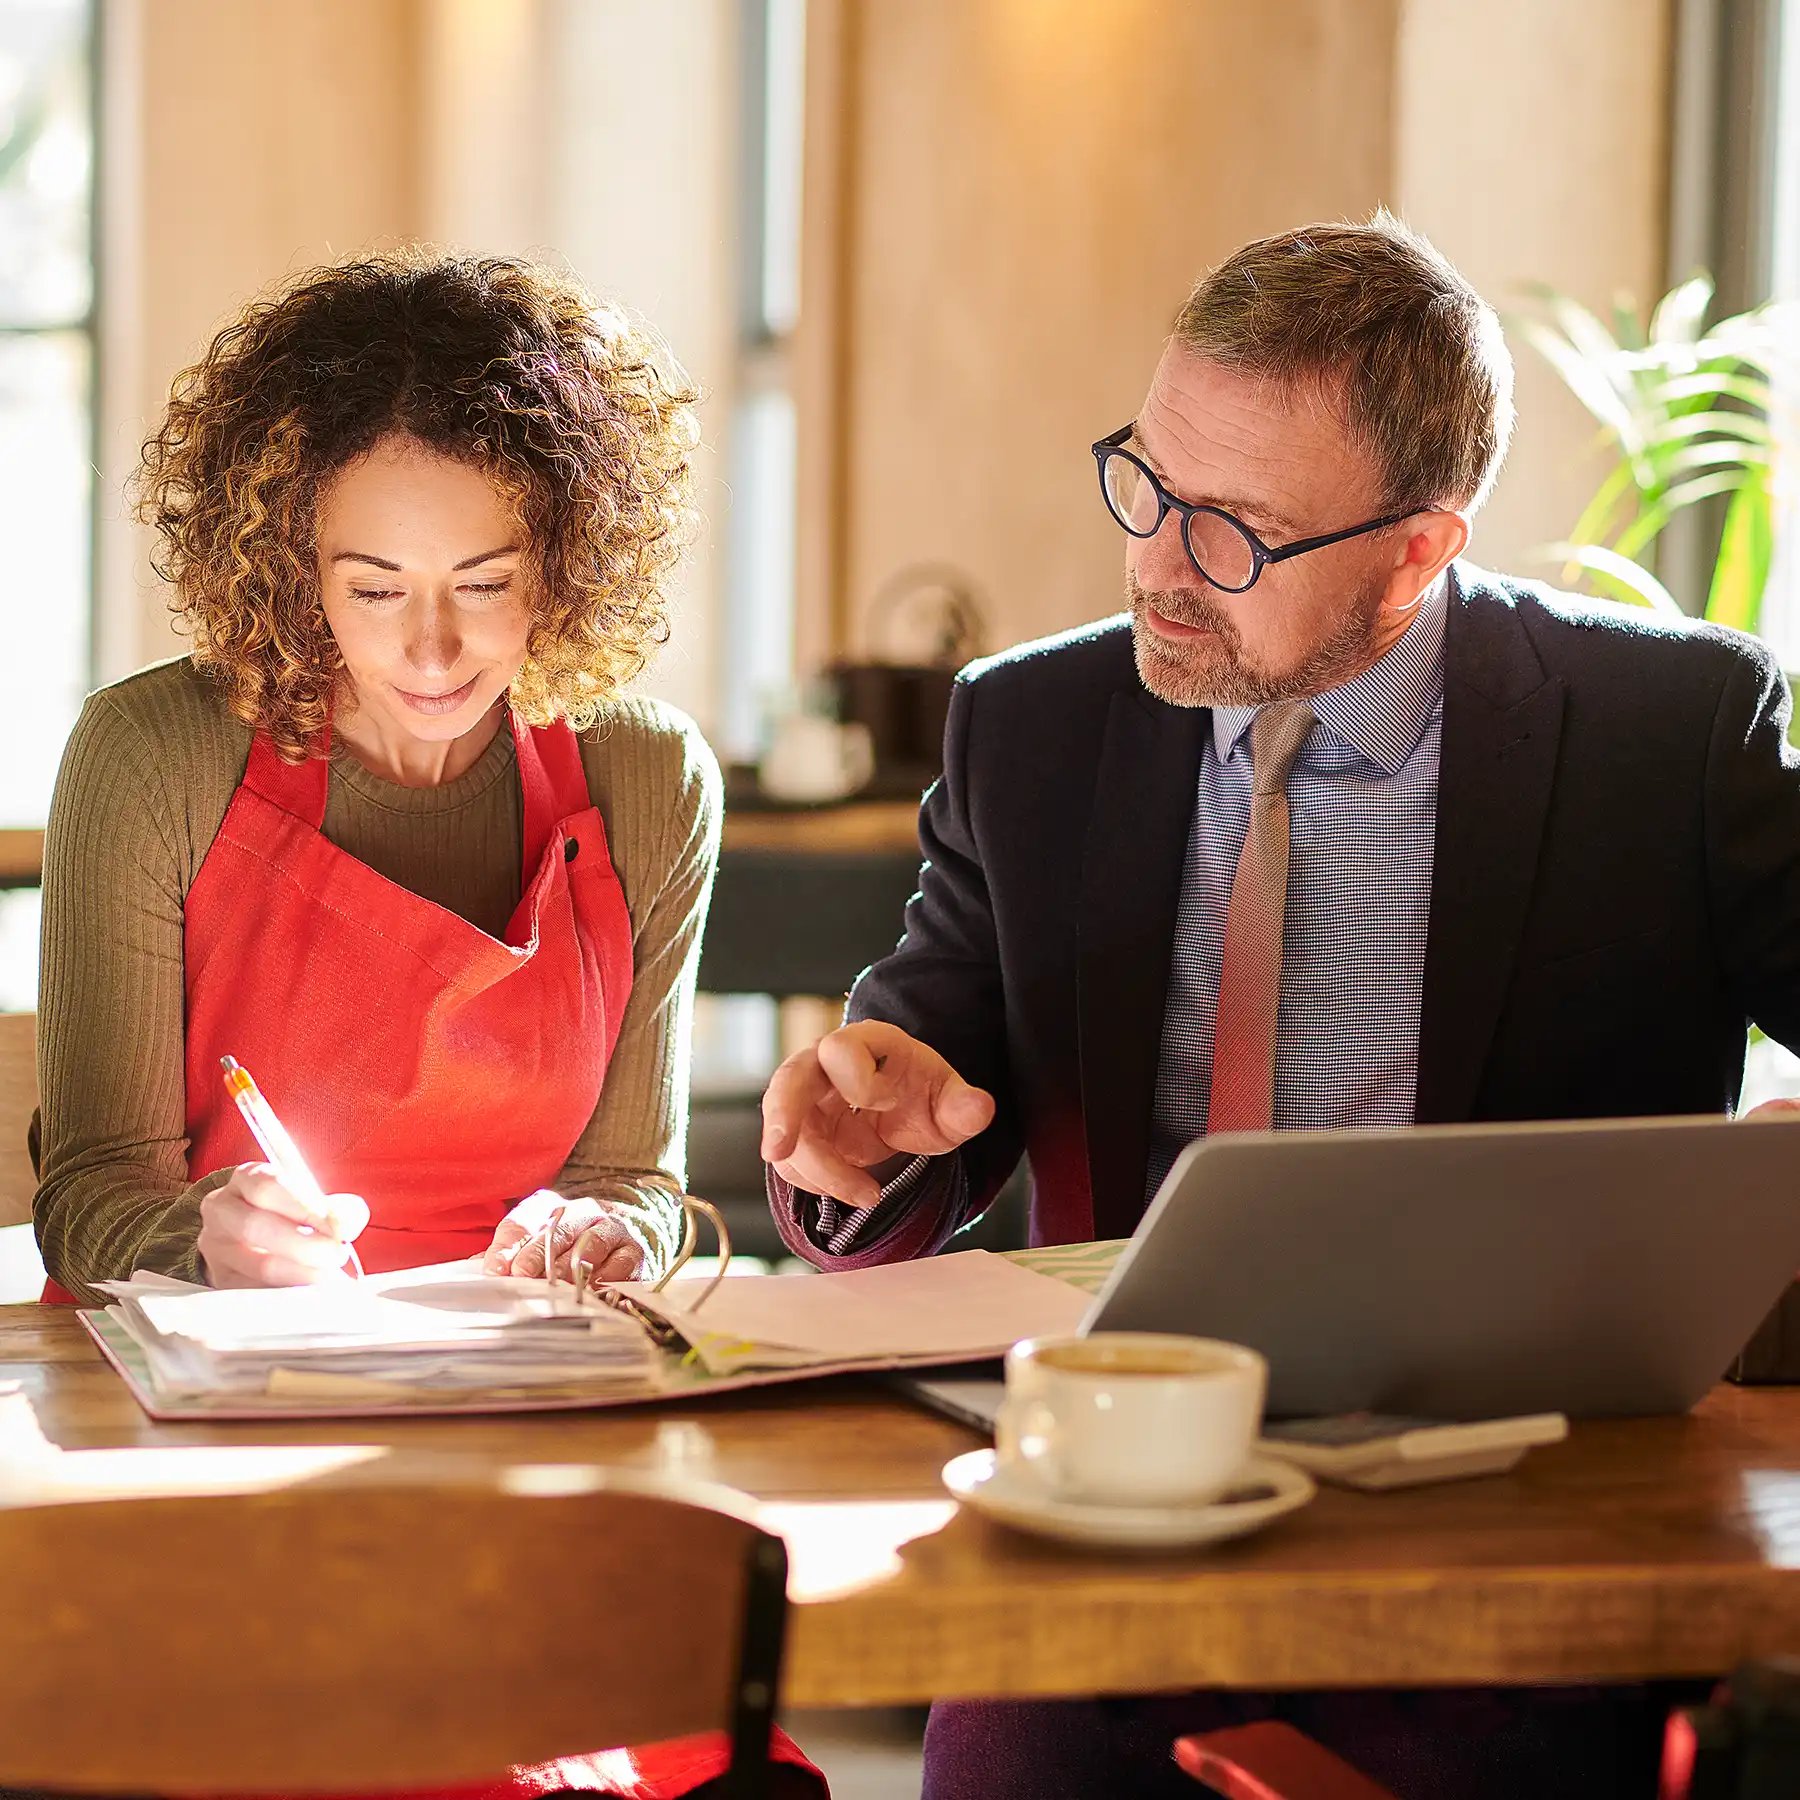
(1088, 661)
(1579, 639)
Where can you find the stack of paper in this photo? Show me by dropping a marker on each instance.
(438, 1332)
(450, 1339)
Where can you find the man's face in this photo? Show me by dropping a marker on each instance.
(1279, 461)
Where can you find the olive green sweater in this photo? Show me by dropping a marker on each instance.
(146, 779)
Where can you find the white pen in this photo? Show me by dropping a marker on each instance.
(271, 1135)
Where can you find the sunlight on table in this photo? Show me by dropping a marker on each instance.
(34, 1471)
(1772, 1512)
(841, 1547)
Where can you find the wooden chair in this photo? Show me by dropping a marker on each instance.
(18, 1101)
(375, 1635)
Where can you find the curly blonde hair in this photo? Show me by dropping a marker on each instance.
(580, 418)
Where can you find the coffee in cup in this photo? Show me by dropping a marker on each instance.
(1130, 1418)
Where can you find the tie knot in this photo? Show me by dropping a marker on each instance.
(1276, 734)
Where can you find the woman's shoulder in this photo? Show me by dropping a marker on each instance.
(165, 736)
(656, 782)
(646, 747)
(172, 708)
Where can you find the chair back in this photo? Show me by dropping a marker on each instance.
(370, 1634)
(18, 1101)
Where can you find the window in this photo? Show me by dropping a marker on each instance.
(759, 630)
(737, 1036)
(1783, 604)
(47, 430)
(47, 343)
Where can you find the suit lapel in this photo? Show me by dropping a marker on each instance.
(1502, 725)
(1144, 799)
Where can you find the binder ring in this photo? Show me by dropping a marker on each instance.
(581, 1272)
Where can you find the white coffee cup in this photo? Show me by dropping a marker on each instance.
(1130, 1418)
(811, 758)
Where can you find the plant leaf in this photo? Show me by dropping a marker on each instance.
(1764, 337)
(1705, 384)
(1681, 312)
(1583, 329)
(1643, 529)
(1744, 426)
(1741, 574)
(1596, 522)
(1619, 576)
(1712, 453)
(1588, 384)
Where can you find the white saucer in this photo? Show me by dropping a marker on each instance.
(1266, 1490)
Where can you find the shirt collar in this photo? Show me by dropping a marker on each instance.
(1383, 711)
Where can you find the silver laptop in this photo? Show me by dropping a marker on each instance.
(1473, 1271)
(1464, 1271)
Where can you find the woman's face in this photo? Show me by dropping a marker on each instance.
(423, 572)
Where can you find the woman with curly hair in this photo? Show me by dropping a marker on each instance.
(393, 834)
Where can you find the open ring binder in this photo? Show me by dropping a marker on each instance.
(580, 1277)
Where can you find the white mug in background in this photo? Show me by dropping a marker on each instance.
(1130, 1418)
(812, 758)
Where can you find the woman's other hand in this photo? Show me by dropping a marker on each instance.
(612, 1252)
(254, 1233)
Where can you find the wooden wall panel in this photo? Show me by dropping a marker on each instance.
(1034, 186)
(266, 138)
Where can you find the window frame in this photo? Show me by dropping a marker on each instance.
(87, 327)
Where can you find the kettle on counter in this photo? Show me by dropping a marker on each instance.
(927, 622)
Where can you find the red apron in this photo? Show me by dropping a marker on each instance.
(416, 1061)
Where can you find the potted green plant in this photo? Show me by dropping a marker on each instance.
(1692, 412)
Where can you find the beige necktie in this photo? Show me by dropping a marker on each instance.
(1243, 1084)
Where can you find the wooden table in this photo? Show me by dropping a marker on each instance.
(1638, 1548)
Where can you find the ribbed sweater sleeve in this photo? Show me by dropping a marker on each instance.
(114, 1194)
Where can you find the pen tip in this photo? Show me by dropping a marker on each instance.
(228, 1064)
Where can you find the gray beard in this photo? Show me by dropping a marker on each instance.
(1227, 677)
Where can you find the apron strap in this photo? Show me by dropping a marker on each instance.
(552, 784)
(297, 788)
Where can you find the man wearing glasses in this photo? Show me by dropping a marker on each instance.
(1333, 829)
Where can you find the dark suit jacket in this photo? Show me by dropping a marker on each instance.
(1616, 889)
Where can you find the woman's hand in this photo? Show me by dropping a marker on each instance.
(254, 1233)
(611, 1254)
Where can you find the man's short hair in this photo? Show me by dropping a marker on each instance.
(1388, 332)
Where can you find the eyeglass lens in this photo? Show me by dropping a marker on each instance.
(1220, 550)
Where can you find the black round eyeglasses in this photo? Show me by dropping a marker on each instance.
(1223, 549)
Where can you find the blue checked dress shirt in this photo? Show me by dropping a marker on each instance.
(1362, 806)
